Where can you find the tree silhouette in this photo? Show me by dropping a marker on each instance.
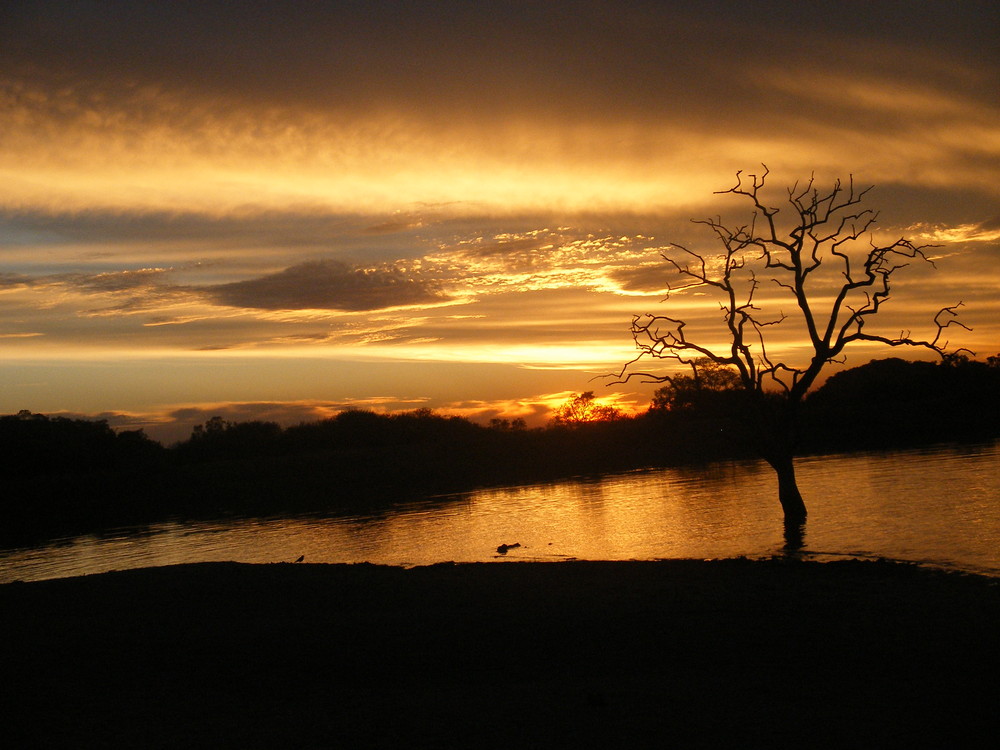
(824, 261)
(584, 408)
(706, 389)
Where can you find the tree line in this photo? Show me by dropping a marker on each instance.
(66, 474)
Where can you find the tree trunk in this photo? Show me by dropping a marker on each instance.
(788, 489)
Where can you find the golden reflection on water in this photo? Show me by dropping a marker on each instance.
(940, 505)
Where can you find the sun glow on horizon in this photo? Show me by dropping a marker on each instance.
(299, 212)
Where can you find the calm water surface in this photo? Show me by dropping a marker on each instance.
(938, 506)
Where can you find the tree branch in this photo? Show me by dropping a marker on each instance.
(822, 228)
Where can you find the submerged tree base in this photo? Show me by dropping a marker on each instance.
(795, 536)
(792, 504)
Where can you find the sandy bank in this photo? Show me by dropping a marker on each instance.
(514, 654)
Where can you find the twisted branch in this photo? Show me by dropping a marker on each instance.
(823, 229)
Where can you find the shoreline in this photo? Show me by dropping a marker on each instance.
(803, 556)
(470, 655)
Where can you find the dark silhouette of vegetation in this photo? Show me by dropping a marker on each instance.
(711, 389)
(63, 476)
(584, 408)
(60, 475)
(825, 266)
(33, 445)
(218, 439)
(892, 403)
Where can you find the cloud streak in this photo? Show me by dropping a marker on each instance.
(327, 285)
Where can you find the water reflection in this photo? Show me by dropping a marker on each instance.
(940, 505)
(795, 537)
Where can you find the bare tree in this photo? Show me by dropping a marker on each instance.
(823, 258)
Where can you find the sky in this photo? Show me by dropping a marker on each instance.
(278, 211)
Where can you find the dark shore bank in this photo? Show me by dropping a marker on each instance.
(659, 654)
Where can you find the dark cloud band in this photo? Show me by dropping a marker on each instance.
(327, 285)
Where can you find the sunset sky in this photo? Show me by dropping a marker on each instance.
(278, 211)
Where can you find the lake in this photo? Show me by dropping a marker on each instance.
(938, 505)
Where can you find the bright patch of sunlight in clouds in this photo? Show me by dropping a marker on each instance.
(952, 234)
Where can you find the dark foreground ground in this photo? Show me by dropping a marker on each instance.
(686, 653)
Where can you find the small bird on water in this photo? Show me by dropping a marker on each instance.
(301, 558)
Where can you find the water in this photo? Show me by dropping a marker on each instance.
(939, 506)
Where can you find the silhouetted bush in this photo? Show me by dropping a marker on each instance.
(218, 439)
(34, 444)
